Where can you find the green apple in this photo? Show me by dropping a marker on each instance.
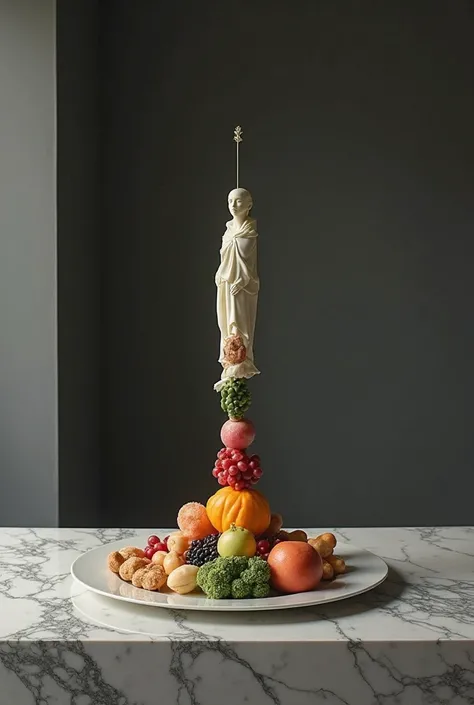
(236, 541)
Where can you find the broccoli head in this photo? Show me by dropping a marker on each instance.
(238, 576)
(240, 590)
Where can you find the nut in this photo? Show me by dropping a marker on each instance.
(131, 565)
(128, 551)
(114, 561)
(154, 578)
(183, 579)
(138, 575)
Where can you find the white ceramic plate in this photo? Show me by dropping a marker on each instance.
(365, 571)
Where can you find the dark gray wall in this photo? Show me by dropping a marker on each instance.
(359, 151)
(78, 217)
(28, 356)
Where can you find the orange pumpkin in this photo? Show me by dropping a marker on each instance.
(247, 508)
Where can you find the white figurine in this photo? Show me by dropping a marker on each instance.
(237, 290)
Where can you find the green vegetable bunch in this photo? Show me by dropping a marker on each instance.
(238, 577)
(235, 398)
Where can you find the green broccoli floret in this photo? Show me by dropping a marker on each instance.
(218, 586)
(240, 590)
(261, 590)
(201, 578)
(258, 571)
(215, 578)
(238, 577)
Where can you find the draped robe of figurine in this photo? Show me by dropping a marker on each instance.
(237, 294)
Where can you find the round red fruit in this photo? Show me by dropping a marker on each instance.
(149, 552)
(160, 547)
(242, 465)
(165, 541)
(256, 459)
(258, 472)
(222, 480)
(239, 486)
(254, 480)
(233, 470)
(253, 464)
(216, 472)
(226, 464)
(232, 480)
(153, 539)
(263, 547)
(218, 464)
(237, 456)
(222, 454)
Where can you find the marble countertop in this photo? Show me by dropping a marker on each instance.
(409, 641)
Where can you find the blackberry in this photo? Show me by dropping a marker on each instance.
(203, 550)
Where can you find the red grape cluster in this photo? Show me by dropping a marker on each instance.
(265, 545)
(154, 545)
(236, 469)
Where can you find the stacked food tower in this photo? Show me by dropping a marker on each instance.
(233, 547)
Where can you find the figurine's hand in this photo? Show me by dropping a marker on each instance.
(235, 288)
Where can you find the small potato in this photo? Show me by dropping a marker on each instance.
(114, 561)
(178, 542)
(338, 564)
(172, 561)
(159, 557)
(154, 578)
(128, 551)
(328, 570)
(298, 535)
(130, 566)
(183, 579)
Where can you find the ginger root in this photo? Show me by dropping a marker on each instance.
(324, 544)
(328, 570)
(338, 564)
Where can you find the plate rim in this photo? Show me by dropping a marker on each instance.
(209, 605)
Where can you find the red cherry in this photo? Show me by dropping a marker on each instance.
(226, 464)
(237, 456)
(253, 464)
(160, 547)
(258, 472)
(238, 477)
(153, 539)
(222, 454)
(228, 452)
(242, 465)
(216, 472)
(222, 481)
(149, 551)
(254, 480)
(247, 475)
(233, 470)
(239, 486)
(255, 458)
(232, 480)
(218, 464)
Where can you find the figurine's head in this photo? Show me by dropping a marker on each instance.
(240, 202)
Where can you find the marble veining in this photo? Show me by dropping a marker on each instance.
(408, 642)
